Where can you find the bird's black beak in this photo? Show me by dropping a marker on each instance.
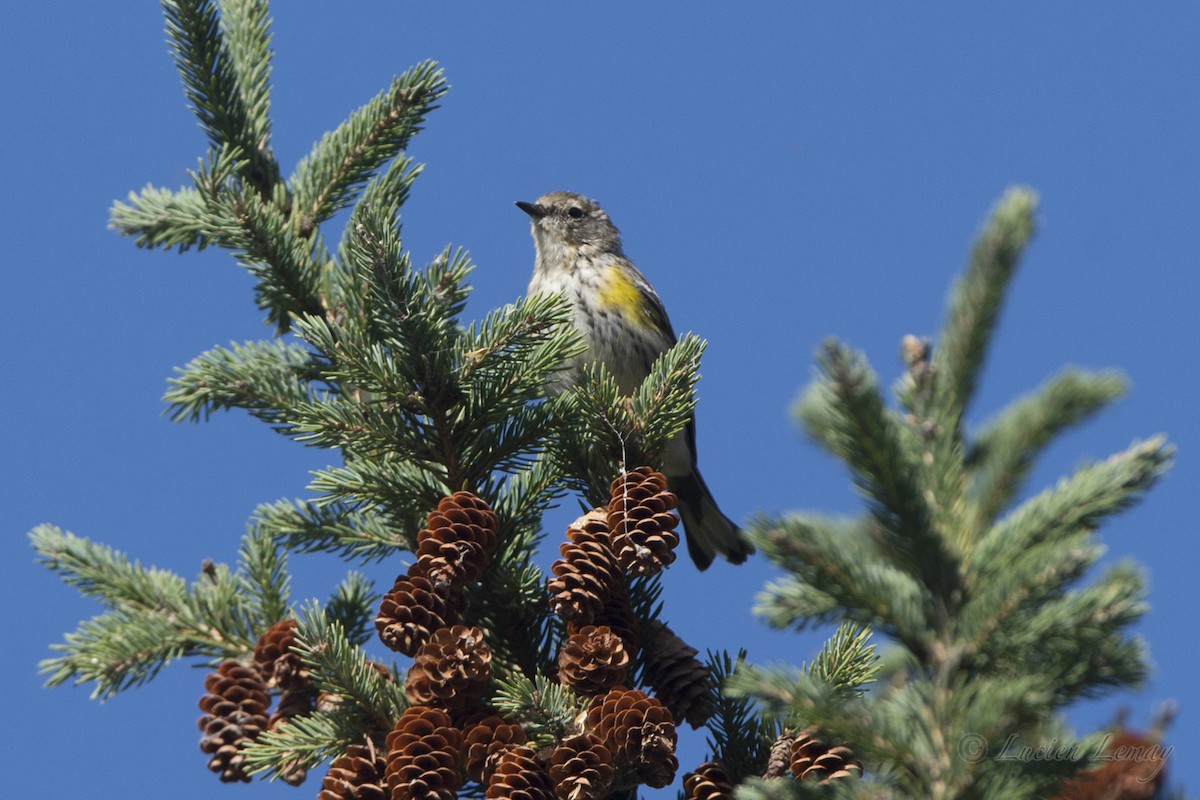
(532, 209)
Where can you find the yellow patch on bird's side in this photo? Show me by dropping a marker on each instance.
(619, 293)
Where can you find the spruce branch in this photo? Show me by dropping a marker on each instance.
(1026, 560)
(793, 700)
(423, 406)
(399, 491)
(287, 266)
(445, 279)
(368, 373)
(382, 197)
(1004, 450)
(341, 669)
(263, 576)
(522, 629)
(1080, 502)
(789, 601)
(835, 567)
(344, 159)
(228, 93)
(521, 500)
(107, 575)
(976, 299)
(119, 650)
(265, 378)
(845, 412)
(645, 598)
(665, 402)
(306, 741)
(547, 709)
(506, 358)
(414, 312)
(919, 735)
(846, 661)
(352, 607)
(247, 29)
(1078, 639)
(504, 365)
(976, 708)
(840, 670)
(606, 433)
(510, 603)
(826, 695)
(155, 617)
(164, 218)
(340, 422)
(219, 610)
(593, 445)
(1000, 606)
(185, 217)
(738, 736)
(361, 534)
(774, 789)
(1001, 641)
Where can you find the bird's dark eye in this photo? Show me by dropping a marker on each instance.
(574, 212)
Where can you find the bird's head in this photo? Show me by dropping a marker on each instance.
(565, 218)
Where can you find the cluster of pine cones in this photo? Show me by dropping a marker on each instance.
(449, 735)
(622, 738)
(237, 698)
(634, 534)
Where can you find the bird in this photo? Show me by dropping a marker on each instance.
(579, 256)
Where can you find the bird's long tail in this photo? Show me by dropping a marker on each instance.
(709, 532)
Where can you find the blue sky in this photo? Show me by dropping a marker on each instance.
(782, 173)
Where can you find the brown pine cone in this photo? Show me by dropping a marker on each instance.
(280, 667)
(293, 703)
(639, 731)
(617, 615)
(682, 683)
(814, 759)
(1133, 769)
(485, 734)
(424, 756)
(451, 670)
(581, 768)
(710, 781)
(588, 573)
(413, 610)
(235, 713)
(357, 775)
(517, 775)
(641, 523)
(779, 762)
(456, 544)
(593, 660)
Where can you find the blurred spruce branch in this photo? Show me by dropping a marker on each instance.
(979, 589)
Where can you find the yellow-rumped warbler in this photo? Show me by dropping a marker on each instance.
(579, 256)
